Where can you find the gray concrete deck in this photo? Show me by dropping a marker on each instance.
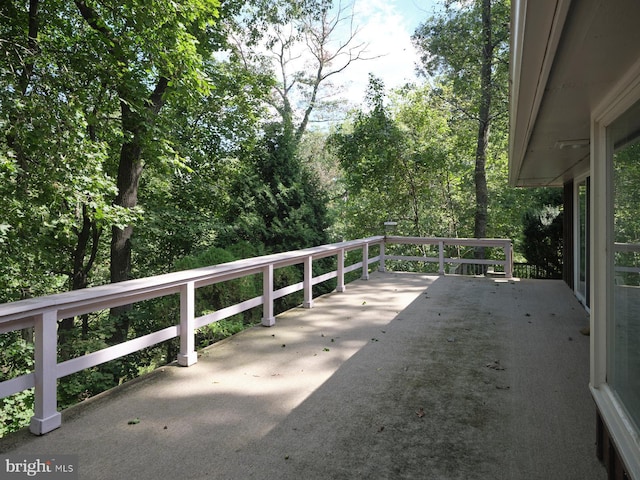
(401, 376)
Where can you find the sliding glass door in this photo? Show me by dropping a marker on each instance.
(582, 199)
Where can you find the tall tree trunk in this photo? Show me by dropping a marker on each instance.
(129, 172)
(87, 244)
(482, 197)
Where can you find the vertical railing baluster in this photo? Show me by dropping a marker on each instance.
(268, 319)
(508, 257)
(340, 286)
(188, 355)
(383, 267)
(308, 286)
(365, 262)
(46, 416)
(441, 257)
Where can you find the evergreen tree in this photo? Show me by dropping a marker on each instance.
(277, 202)
(543, 235)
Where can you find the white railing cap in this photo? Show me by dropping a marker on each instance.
(127, 291)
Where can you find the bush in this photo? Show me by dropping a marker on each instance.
(542, 245)
(16, 359)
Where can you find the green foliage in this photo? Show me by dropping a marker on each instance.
(16, 358)
(397, 165)
(220, 295)
(626, 177)
(214, 332)
(466, 48)
(83, 385)
(543, 239)
(71, 72)
(276, 201)
(451, 45)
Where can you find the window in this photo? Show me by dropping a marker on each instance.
(623, 365)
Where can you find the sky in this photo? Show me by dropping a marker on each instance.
(386, 26)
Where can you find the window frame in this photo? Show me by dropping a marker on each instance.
(613, 106)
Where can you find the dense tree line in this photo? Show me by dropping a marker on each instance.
(141, 138)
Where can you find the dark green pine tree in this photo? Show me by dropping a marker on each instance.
(278, 203)
(542, 243)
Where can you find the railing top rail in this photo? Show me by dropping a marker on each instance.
(626, 247)
(109, 295)
(472, 242)
(166, 283)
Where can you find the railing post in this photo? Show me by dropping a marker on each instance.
(340, 286)
(365, 262)
(268, 319)
(308, 286)
(188, 355)
(441, 257)
(46, 416)
(382, 267)
(508, 257)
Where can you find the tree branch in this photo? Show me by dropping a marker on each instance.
(96, 23)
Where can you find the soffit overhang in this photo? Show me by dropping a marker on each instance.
(565, 56)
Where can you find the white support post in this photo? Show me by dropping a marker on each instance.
(46, 416)
(268, 319)
(188, 355)
(365, 262)
(441, 257)
(308, 287)
(340, 287)
(508, 257)
(382, 267)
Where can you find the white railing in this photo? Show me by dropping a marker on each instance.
(626, 248)
(43, 313)
(441, 260)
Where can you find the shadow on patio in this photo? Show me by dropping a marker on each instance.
(401, 376)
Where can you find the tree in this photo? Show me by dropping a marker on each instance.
(149, 53)
(54, 184)
(542, 244)
(279, 203)
(467, 47)
(213, 136)
(396, 164)
(306, 45)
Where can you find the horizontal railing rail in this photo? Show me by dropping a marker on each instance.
(43, 313)
(442, 243)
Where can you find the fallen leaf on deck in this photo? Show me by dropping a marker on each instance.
(420, 412)
(495, 365)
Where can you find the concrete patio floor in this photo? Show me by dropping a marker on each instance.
(401, 376)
